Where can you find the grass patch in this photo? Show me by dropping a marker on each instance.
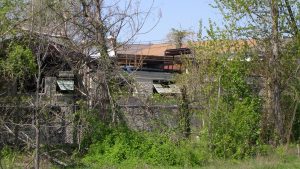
(268, 162)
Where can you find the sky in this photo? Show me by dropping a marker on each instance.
(178, 14)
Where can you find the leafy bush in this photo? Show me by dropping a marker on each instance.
(121, 146)
(19, 62)
(235, 133)
(234, 125)
(7, 158)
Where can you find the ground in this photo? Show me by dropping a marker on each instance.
(277, 160)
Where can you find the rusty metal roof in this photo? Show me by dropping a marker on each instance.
(146, 49)
(168, 49)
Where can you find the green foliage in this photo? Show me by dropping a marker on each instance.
(160, 99)
(220, 83)
(88, 118)
(231, 108)
(235, 132)
(290, 93)
(271, 161)
(233, 79)
(7, 158)
(5, 7)
(281, 72)
(20, 62)
(9, 15)
(296, 126)
(120, 146)
(234, 125)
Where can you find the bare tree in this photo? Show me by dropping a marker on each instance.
(178, 36)
(85, 25)
(81, 26)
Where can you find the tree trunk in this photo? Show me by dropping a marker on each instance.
(103, 61)
(37, 146)
(37, 116)
(274, 75)
(185, 113)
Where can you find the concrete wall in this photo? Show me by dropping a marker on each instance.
(141, 116)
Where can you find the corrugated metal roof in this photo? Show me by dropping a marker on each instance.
(171, 89)
(159, 49)
(65, 84)
(146, 49)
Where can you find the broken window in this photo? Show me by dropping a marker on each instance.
(65, 85)
(165, 87)
(65, 81)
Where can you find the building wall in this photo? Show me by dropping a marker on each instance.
(141, 115)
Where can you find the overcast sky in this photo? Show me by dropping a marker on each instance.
(184, 14)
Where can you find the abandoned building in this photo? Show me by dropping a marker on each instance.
(61, 76)
(153, 66)
(70, 76)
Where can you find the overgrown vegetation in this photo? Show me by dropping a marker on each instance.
(120, 146)
(245, 78)
(20, 62)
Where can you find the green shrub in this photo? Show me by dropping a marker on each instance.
(234, 124)
(124, 147)
(7, 158)
(235, 134)
(20, 62)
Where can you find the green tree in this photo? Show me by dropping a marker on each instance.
(269, 23)
(218, 80)
(20, 62)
